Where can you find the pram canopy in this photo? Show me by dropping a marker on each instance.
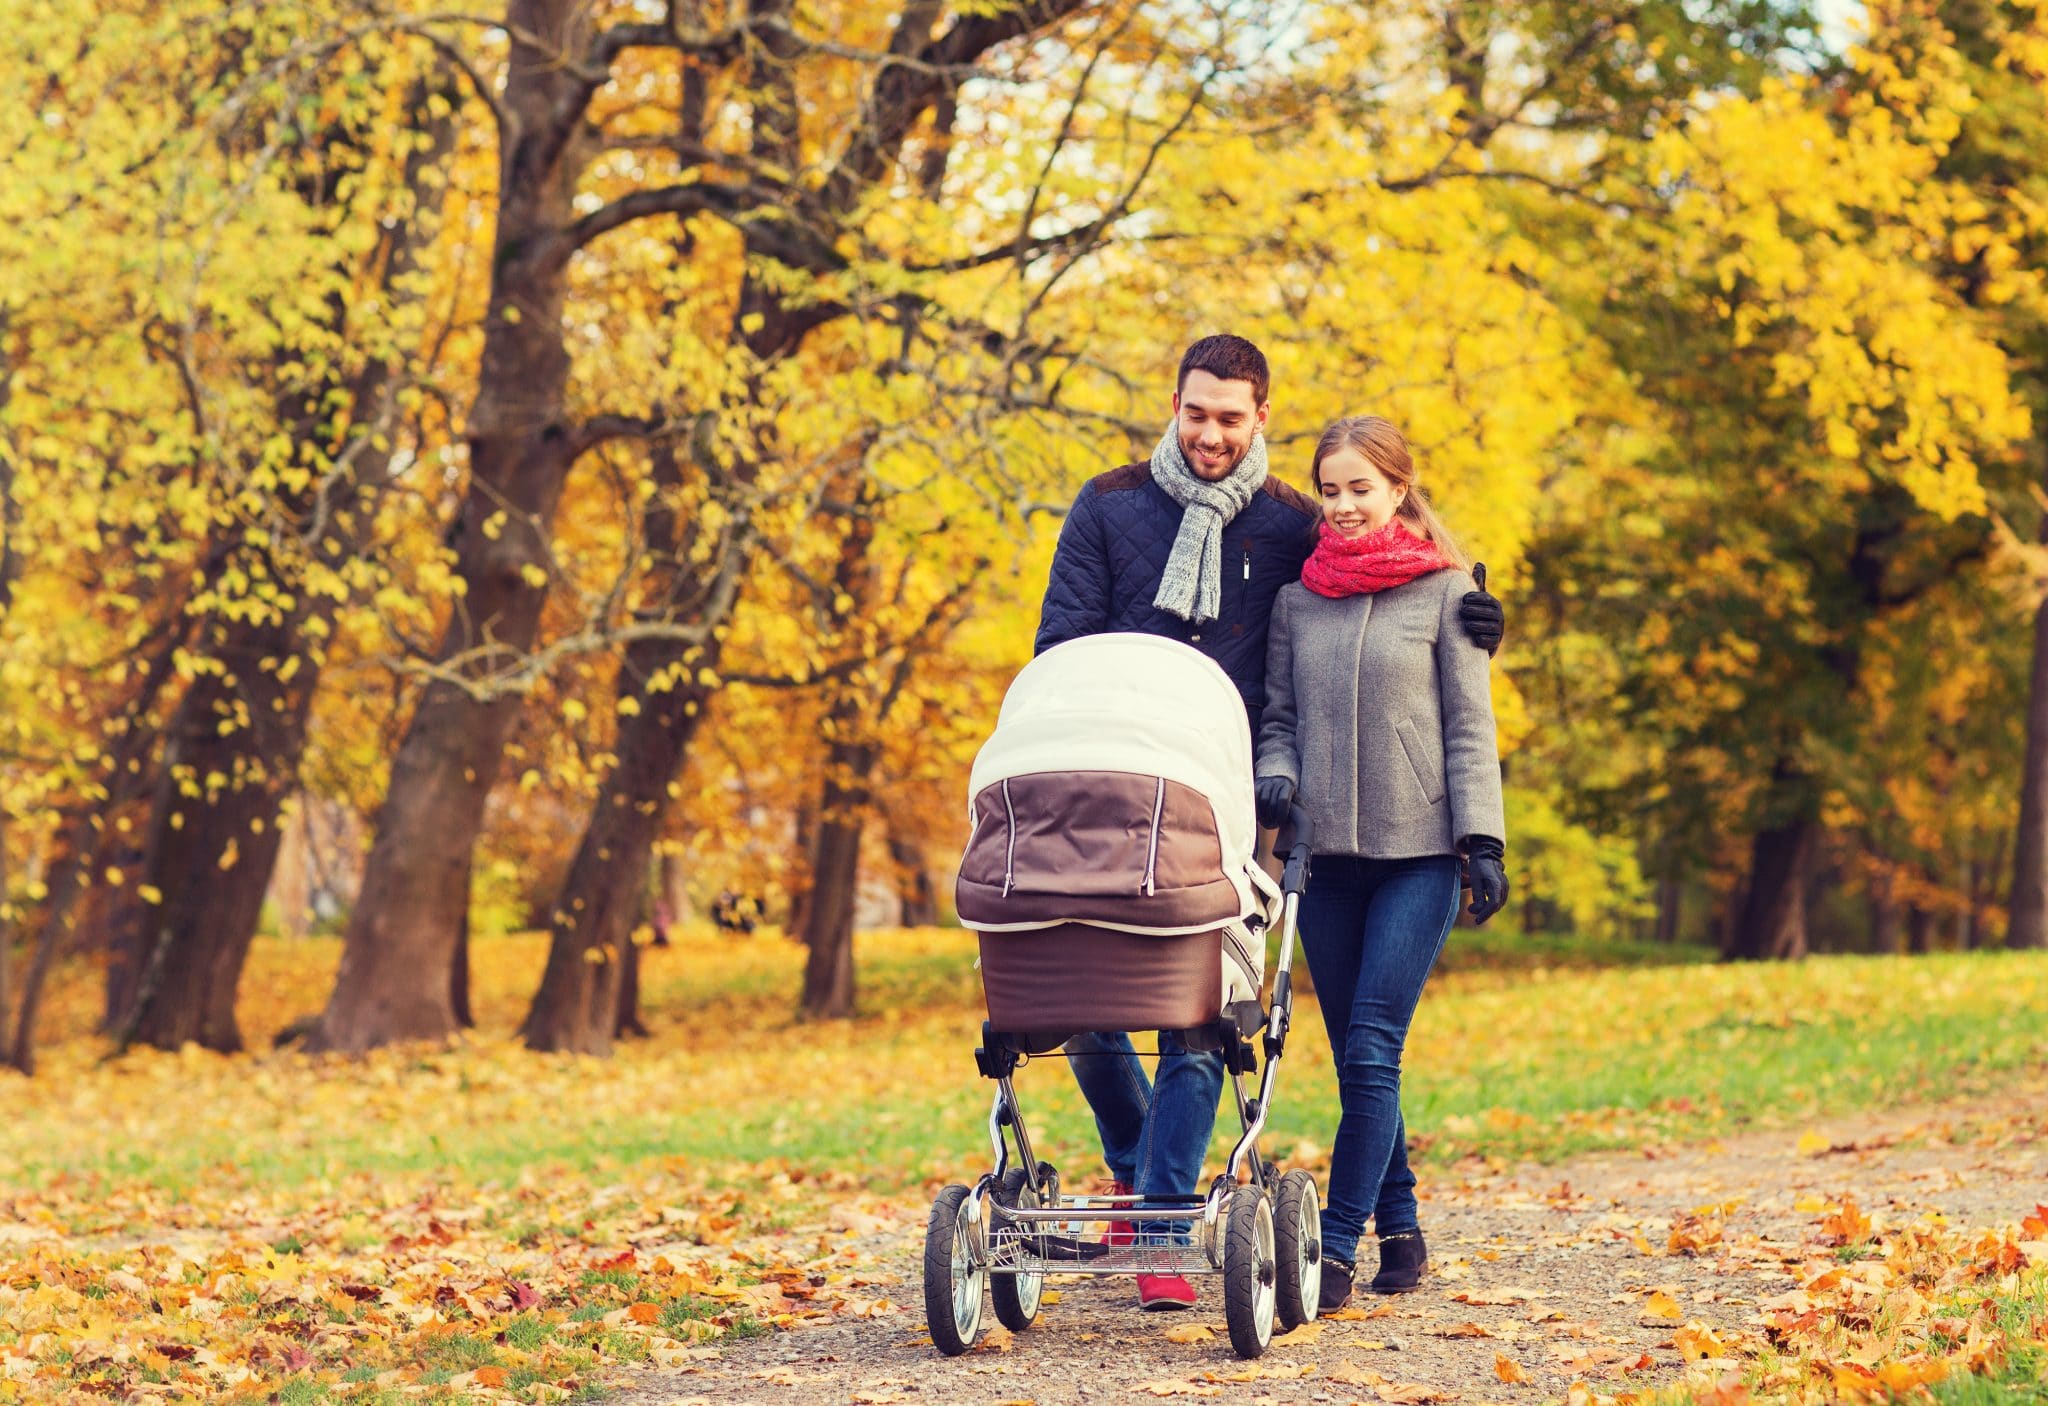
(1115, 791)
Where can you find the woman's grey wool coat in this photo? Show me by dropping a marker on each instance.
(1379, 711)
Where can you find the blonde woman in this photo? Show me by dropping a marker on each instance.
(1378, 715)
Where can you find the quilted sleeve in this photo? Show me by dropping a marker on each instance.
(1077, 595)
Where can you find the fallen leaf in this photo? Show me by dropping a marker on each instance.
(1463, 1330)
(1812, 1144)
(1165, 1388)
(1696, 1342)
(1190, 1333)
(1508, 1370)
(1663, 1307)
(1412, 1394)
(1306, 1333)
(996, 1339)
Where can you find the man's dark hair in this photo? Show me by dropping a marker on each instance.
(1227, 358)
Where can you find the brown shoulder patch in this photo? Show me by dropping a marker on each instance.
(1122, 480)
(1293, 497)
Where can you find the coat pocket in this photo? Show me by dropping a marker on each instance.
(1427, 769)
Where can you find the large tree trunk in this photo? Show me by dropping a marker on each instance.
(398, 955)
(210, 854)
(1772, 921)
(577, 1006)
(212, 847)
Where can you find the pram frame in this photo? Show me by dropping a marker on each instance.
(1018, 1242)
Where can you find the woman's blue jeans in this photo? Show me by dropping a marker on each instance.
(1372, 929)
(1154, 1134)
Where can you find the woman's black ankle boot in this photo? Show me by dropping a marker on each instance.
(1336, 1291)
(1402, 1259)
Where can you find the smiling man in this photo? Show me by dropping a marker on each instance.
(1193, 545)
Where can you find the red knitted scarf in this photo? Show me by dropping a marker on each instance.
(1392, 556)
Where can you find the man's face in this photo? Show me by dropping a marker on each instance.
(1216, 420)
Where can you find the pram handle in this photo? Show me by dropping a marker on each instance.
(1301, 839)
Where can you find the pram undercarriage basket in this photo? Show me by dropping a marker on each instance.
(1112, 878)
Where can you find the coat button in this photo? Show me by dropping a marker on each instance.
(1195, 638)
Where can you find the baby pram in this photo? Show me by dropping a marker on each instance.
(1112, 878)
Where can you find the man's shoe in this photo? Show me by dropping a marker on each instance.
(1120, 1232)
(1403, 1258)
(1336, 1290)
(1161, 1291)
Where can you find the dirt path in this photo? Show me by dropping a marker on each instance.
(1608, 1269)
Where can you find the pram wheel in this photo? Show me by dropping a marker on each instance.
(1249, 1271)
(955, 1271)
(1298, 1242)
(1016, 1295)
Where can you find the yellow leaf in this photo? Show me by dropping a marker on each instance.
(1306, 1333)
(1812, 1144)
(1190, 1333)
(1662, 1306)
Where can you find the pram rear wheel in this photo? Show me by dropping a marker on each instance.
(1017, 1295)
(1250, 1271)
(955, 1271)
(1298, 1243)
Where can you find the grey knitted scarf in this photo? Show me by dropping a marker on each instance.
(1192, 586)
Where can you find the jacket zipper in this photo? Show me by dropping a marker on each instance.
(1010, 854)
(1247, 563)
(1152, 852)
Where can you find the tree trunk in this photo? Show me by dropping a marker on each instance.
(458, 976)
(1772, 921)
(1919, 930)
(835, 880)
(803, 844)
(398, 955)
(629, 1025)
(1884, 913)
(1967, 885)
(914, 885)
(2028, 925)
(1670, 907)
(577, 1006)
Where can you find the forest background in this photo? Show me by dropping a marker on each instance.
(585, 466)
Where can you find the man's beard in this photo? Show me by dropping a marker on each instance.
(1231, 461)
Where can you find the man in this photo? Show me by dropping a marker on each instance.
(1193, 546)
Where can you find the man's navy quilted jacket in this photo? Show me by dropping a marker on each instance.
(1113, 550)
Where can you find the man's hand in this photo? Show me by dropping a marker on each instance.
(1275, 795)
(1481, 614)
(1485, 876)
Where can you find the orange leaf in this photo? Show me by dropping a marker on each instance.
(644, 1313)
(1508, 1370)
(489, 1376)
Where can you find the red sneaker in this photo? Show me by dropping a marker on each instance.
(1161, 1291)
(1120, 1232)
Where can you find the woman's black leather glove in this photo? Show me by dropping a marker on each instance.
(1485, 876)
(1275, 794)
(1481, 613)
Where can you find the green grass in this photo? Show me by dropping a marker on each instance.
(2021, 1377)
(1523, 1047)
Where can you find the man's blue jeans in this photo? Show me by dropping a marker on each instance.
(1372, 929)
(1154, 1135)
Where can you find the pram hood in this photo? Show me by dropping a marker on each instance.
(1116, 791)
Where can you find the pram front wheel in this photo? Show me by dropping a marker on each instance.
(1298, 1242)
(1017, 1295)
(1250, 1270)
(955, 1271)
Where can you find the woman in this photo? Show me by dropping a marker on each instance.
(1378, 713)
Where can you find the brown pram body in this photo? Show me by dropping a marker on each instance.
(1112, 877)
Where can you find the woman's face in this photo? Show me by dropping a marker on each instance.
(1357, 497)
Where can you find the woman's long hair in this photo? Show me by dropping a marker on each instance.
(1386, 449)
